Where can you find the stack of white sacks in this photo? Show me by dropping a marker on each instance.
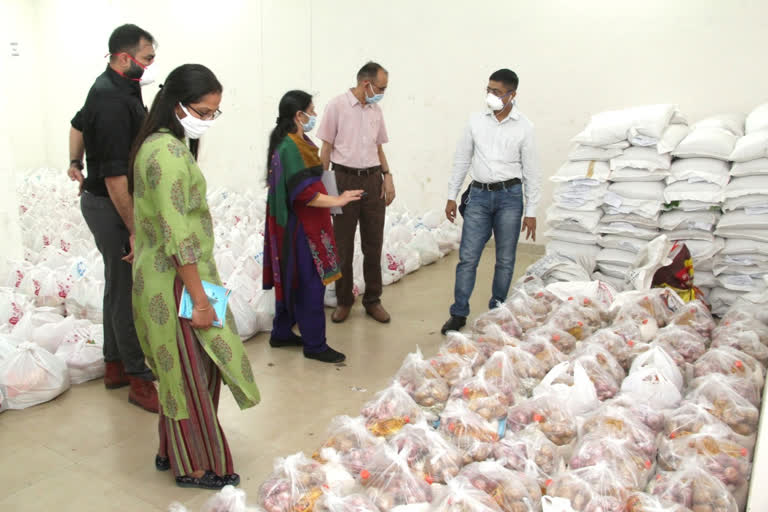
(741, 266)
(611, 192)
(51, 305)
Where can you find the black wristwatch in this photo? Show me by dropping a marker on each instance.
(76, 163)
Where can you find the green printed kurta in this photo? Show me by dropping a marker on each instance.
(174, 226)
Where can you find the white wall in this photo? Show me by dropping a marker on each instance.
(573, 58)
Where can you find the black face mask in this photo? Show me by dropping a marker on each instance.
(135, 71)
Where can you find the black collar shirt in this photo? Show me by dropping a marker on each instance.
(110, 120)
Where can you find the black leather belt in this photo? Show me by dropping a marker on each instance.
(493, 187)
(358, 172)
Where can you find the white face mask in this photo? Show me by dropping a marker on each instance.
(149, 75)
(495, 103)
(194, 128)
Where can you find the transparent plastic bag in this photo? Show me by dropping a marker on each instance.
(652, 387)
(693, 418)
(549, 414)
(751, 325)
(688, 343)
(472, 434)
(644, 502)
(661, 304)
(660, 360)
(570, 381)
(650, 416)
(483, 396)
(694, 488)
(732, 362)
(697, 316)
(295, 485)
(229, 499)
(512, 491)
(531, 452)
(526, 310)
(352, 440)
(501, 317)
(716, 395)
(83, 352)
(576, 319)
(462, 496)
(514, 371)
(452, 367)
(423, 382)
(493, 339)
(390, 410)
(737, 335)
(615, 422)
(464, 347)
(562, 340)
(428, 453)
(590, 489)
(628, 465)
(544, 351)
(332, 502)
(603, 369)
(390, 483)
(621, 347)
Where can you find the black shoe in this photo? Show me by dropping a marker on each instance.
(209, 480)
(293, 341)
(233, 479)
(454, 324)
(162, 463)
(327, 356)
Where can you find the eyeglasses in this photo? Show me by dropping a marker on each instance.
(206, 117)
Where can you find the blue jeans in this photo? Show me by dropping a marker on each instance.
(499, 212)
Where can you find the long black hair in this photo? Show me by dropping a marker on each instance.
(186, 84)
(291, 103)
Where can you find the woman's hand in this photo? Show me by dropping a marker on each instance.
(348, 196)
(203, 317)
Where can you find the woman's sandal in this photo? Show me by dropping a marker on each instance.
(233, 479)
(209, 480)
(162, 463)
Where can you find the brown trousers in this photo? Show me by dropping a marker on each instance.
(369, 212)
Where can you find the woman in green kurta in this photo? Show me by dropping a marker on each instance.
(174, 248)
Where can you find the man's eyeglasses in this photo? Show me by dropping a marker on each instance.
(210, 116)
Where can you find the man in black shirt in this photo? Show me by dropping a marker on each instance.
(104, 129)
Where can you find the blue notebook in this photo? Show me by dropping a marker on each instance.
(218, 296)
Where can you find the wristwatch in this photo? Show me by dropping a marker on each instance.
(76, 163)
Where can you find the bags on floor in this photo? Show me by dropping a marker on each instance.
(707, 142)
(32, 376)
(83, 352)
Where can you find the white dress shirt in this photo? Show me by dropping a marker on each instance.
(494, 151)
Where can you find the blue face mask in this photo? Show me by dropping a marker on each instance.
(375, 98)
(307, 127)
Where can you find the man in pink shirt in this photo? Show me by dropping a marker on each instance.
(353, 131)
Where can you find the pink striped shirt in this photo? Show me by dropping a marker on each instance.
(354, 129)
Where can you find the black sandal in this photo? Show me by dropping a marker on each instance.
(233, 479)
(209, 480)
(162, 463)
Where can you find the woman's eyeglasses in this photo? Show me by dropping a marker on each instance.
(209, 116)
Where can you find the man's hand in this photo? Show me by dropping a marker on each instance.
(129, 257)
(529, 224)
(388, 189)
(75, 174)
(450, 210)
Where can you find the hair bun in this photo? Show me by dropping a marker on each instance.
(160, 86)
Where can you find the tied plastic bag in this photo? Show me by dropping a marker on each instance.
(12, 306)
(686, 342)
(512, 491)
(577, 317)
(514, 371)
(716, 394)
(658, 359)
(570, 381)
(543, 350)
(693, 487)
(462, 496)
(390, 483)
(483, 397)
(428, 454)
(714, 451)
(83, 352)
(493, 339)
(333, 502)
(295, 485)
(732, 362)
(464, 347)
(692, 418)
(644, 502)
(628, 465)
(423, 382)
(615, 422)
(501, 317)
(352, 440)
(452, 367)
(528, 311)
(744, 337)
(622, 346)
(390, 410)
(590, 489)
(549, 414)
(529, 451)
(472, 434)
(563, 341)
(697, 316)
(651, 386)
(648, 415)
(32, 376)
(229, 499)
(603, 369)
(29, 326)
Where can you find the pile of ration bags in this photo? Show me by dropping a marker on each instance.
(51, 332)
(567, 397)
(642, 172)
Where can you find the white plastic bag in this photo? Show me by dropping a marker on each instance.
(580, 398)
(32, 376)
(650, 386)
(654, 256)
(83, 352)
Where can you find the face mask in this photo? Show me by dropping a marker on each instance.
(494, 102)
(194, 128)
(375, 98)
(138, 72)
(307, 127)
(148, 76)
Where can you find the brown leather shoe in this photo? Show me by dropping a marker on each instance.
(340, 314)
(144, 395)
(114, 375)
(378, 313)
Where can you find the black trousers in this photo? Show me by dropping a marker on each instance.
(111, 235)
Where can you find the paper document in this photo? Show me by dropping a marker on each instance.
(329, 181)
(218, 296)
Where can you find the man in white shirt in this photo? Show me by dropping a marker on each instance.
(498, 150)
